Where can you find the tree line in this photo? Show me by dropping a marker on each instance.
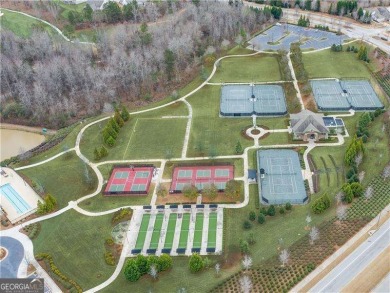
(46, 80)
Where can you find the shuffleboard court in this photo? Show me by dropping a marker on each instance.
(212, 233)
(197, 243)
(170, 233)
(142, 231)
(156, 231)
(185, 226)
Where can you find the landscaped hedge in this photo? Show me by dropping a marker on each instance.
(47, 258)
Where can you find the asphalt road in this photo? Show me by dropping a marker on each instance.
(356, 262)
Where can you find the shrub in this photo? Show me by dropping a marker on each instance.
(281, 210)
(103, 152)
(251, 239)
(252, 216)
(357, 189)
(165, 262)
(247, 225)
(110, 141)
(109, 258)
(196, 263)
(109, 241)
(206, 262)
(125, 114)
(271, 211)
(131, 271)
(288, 206)
(244, 246)
(321, 204)
(261, 218)
(96, 154)
(142, 264)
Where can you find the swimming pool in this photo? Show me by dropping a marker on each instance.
(19, 204)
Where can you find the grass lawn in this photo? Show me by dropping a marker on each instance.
(170, 233)
(275, 138)
(64, 178)
(142, 231)
(326, 63)
(22, 25)
(248, 69)
(211, 134)
(156, 138)
(185, 226)
(76, 243)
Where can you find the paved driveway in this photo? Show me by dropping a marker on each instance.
(10, 265)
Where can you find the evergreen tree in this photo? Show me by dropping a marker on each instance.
(128, 12)
(103, 152)
(110, 141)
(88, 12)
(112, 11)
(125, 114)
(96, 154)
(169, 60)
(238, 148)
(360, 13)
(114, 125)
(196, 263)
(118, 118)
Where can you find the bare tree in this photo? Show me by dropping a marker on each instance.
(308, 220)
(314, 235)
(284, 257)
(386, 172)
(153, 272)
(361, 176)
(246, 284)
(339, 197)
(369, 192)
(247, 262)
(217, 269)
(358, 159)
(341, 212)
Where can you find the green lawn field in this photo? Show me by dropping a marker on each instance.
(156, 138)
(142, 231)
(22, 25)
(212, 233)
(185, 226)
(76, 243)
(248, 69)
(170, 233)
(210, 134)
(64, 178)
(156, 231)
(197, 243)
(326, 63)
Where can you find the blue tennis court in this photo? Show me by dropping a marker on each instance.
(19, 204)
(281, 179)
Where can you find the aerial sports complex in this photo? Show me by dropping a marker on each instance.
(252, 99)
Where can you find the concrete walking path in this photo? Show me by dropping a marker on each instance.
(295, 81)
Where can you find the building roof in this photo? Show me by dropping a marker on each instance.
(307, 121)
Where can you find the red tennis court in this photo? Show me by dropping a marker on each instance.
(129, 180)
(201, 176)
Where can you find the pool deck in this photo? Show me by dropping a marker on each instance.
(23, 189)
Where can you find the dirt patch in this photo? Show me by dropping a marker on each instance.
(3, 253)
(255, 132)
(243, 133)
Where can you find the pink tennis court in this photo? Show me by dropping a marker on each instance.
(129, 180)
(201, 176)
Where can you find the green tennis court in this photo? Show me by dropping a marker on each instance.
(170, 234)
(121, 175)
(142, 231)
(185, 226)
(198, 231)
(117, 187)
(212, 234)
(156, 231)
